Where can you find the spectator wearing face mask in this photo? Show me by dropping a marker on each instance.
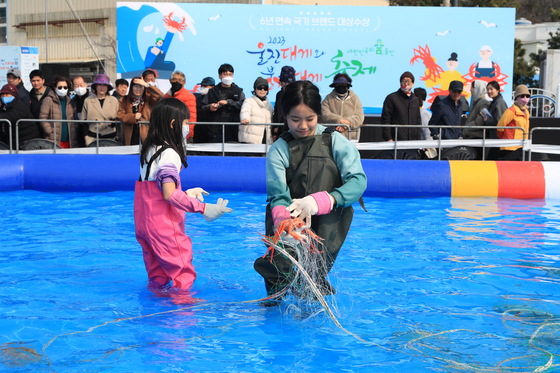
(342, 106)
(256, 109)
(81, 91)
(516, 116)
(14, 78)
(57, 105)
(13, 110)
(202, 134)
(179, 92)
(223, 103)
(402, 107)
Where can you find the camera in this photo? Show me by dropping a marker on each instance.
(135, 109)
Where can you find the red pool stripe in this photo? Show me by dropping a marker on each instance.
(521, 180)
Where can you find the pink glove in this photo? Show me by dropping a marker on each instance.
(183, 202)
(279, 214)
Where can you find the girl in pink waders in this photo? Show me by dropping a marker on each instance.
(159, 202)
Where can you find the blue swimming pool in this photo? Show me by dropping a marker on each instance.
(432, 284)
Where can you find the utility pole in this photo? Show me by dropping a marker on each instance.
(46, 33)
(446, 3)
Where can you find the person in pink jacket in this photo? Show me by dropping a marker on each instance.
(159, 202)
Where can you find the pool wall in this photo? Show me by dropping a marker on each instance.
(389, 178)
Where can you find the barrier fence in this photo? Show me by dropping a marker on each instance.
(224, 147)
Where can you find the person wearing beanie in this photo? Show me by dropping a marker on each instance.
(102, 107)
(342, 106)
(402, 107)
(13, 110)
(287, 76)
(256, 109)
(448, 112)
(202, 134)
(516, 116)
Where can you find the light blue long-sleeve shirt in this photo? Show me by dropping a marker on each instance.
(346, 157)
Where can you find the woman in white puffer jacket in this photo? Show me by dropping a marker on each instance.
(256, 109)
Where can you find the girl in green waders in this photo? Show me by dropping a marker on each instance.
(312, 173)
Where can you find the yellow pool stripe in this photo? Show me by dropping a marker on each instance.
(474, 178)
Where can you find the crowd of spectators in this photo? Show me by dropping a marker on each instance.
(58, 113)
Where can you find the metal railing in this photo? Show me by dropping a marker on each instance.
(542, 103)
(440, 144)
(229, 147)
(542, 148)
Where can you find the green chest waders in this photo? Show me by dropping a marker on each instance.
(312, 169)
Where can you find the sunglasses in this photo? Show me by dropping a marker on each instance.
(62, 87)
(262, 88)
(524, 96)
(456, 91)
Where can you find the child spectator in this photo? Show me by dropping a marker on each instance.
(313, 173)
(159, 202)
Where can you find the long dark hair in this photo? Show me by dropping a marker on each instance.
(160, 132)
(495, 85)
(297, 93)
(130, 95)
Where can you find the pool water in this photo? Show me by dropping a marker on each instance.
(430, 285)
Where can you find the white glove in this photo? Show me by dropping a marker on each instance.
(303, 208)
(197, 193)
(215, 211)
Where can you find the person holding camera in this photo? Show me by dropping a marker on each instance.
(137, 107)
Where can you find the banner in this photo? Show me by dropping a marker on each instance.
(26, 59)
(373, 45)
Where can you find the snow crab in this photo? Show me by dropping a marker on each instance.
(294, 228)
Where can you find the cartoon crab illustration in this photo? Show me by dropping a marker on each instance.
(171, 23)
(497, 76)
(433, 69)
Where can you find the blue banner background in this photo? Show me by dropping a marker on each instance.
(374, 45)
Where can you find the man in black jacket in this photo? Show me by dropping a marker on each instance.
(448, 112)
(38, 93)
(13, 110)
(201, 135)
(223, 104)
(287, 76)
(402, 107)
(14, 77)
